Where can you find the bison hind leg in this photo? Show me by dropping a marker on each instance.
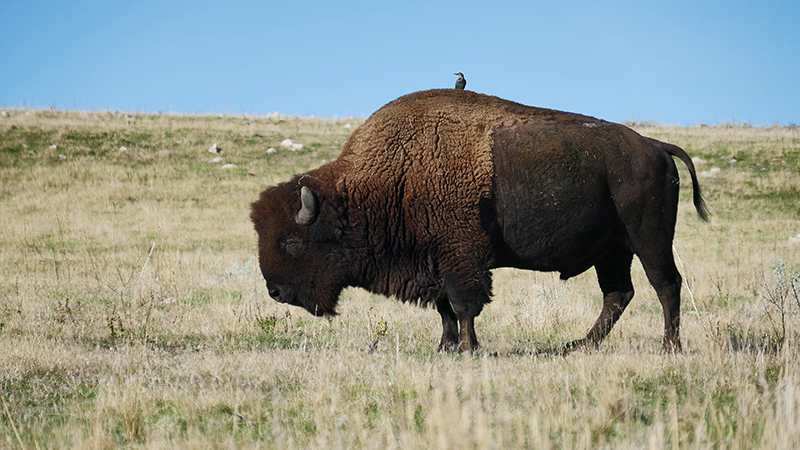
(614, 277)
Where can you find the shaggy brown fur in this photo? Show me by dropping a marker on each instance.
(438, 187)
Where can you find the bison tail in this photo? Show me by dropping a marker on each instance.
(699, 202)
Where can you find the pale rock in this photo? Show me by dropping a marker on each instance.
(218, 159)
(287, 143)
(228, 166)
(271, 150)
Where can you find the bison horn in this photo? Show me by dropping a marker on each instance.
(308, 211)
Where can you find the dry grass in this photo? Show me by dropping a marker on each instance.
(132, 313)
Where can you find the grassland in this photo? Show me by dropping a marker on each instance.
(133, 315)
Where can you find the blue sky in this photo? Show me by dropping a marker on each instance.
(675, 62)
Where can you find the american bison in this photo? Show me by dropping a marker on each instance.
(438, 187)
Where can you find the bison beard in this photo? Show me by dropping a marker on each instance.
(438, 187)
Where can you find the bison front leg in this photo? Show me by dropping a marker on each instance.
(466, 301)
(467, 339)
(449, 342)
(458, 334)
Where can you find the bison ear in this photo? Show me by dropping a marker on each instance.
(308, 209)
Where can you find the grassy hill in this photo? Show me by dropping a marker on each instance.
(133, 314)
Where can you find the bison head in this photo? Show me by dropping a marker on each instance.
(300, 247)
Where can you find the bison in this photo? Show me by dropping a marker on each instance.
(438, 187)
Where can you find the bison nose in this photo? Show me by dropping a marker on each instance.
(283, 293)
(274, 293)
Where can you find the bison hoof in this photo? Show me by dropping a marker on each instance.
(468, 347)
(570, 347)
(459, 347)
(580, 344)
(447, 347)
(671, 347)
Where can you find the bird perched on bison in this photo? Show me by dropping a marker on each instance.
(461, 82)
(439, 187)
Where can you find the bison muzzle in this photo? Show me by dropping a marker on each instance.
(438, 187)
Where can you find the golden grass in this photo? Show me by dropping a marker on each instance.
(133, 314)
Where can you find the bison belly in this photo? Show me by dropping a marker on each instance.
(553, 209)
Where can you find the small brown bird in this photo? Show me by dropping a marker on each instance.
(461, 82)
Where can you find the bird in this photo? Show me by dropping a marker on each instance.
(461, 82)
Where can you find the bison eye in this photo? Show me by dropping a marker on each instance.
(292, 245)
